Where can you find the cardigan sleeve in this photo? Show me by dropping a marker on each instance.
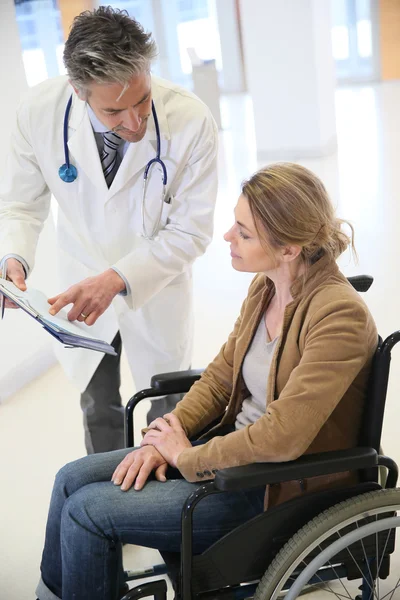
(339, 341)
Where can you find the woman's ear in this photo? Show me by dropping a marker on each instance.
(290, 253)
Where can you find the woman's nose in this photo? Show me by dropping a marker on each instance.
(229, 234)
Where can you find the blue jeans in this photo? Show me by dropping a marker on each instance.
(90, 518)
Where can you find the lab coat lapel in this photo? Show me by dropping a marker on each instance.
(82, 145)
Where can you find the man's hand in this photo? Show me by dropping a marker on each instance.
(90, 298)
(168, 436)
(16, 274)
(137, 466)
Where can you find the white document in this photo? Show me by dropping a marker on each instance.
(72, 334)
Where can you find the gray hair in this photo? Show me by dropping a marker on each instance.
(107, 46)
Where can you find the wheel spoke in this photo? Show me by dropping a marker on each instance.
(348, 597)
(384, 550)
(358, 567)
(336, 594)
(377, 557)
(373, 590)
(394, 589)
(340, 580)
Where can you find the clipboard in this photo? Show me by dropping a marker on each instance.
(71, 334)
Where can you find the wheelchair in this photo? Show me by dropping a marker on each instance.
(336, 543)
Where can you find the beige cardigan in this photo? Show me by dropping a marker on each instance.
(316, 386)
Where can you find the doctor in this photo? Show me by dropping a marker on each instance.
(128, 226)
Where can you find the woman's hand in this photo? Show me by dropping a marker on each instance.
(168, 436)
(137, 466)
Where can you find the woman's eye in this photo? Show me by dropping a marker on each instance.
(242, 235)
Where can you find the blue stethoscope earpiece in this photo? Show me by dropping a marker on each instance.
(68, 173)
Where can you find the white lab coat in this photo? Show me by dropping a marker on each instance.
(99, 227)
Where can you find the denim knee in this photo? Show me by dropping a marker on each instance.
(83, 509)
(69, 477)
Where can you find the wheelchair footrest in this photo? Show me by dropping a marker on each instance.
(158, 589)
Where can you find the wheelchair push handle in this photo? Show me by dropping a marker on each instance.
(361, 283)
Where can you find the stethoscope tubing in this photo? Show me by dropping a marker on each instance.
(157, 159)
(68, 172)
(65, 131)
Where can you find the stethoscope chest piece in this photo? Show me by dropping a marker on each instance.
(68, 173)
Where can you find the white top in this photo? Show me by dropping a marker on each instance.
(255, 370)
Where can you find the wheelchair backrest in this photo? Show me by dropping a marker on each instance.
(372, 422)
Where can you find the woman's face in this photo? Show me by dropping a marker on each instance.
(246, 250)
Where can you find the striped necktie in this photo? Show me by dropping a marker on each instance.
(109, 156)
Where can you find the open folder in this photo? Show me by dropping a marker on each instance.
(71, 334)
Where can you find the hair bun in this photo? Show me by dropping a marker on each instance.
(290, 205)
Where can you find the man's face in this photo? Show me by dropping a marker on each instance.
(125, 114)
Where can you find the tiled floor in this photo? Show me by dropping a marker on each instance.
(40, 427)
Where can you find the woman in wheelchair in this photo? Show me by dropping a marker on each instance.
(290, 380)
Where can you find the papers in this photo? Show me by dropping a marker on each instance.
(72, 334)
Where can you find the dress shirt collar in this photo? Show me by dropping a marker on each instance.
(97, 125)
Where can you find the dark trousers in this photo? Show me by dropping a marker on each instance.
(103, 413)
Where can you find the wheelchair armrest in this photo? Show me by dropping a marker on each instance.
(177, 382)
(161, 385)
(310, 465)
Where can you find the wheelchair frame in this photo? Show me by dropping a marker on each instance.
(365, 458)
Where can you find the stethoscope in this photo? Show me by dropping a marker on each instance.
(69, 173)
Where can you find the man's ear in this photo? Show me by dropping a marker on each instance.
(81, 95)
(290, 253)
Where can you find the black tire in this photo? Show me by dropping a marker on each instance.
(329, 520)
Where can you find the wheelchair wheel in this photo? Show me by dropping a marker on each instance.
(344, 552)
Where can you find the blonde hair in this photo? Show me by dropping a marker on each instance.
(290, 206)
